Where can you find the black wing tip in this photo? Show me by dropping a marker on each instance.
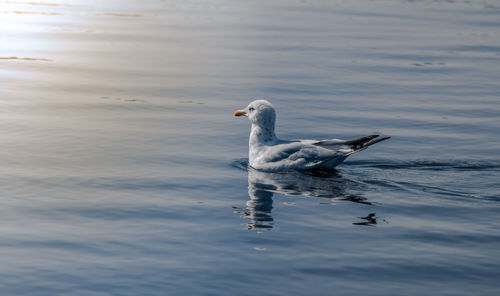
(365, 144)
(375, 141)
(360, 141)
(368, 138)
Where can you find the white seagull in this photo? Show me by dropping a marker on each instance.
(268, 153)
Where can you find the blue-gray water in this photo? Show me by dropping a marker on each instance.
(123, 171)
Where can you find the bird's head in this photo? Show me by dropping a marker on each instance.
(259, 112)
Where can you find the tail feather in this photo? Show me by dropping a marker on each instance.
(360, 144)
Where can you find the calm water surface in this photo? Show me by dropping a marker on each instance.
(123, 171)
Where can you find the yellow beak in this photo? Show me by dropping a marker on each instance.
(239, 113)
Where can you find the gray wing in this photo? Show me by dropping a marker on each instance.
(297, 155)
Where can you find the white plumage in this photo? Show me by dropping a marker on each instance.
(268, 153)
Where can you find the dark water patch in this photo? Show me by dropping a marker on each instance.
(75, 187)
(282, 29)
(432, 165)
(384, 183)
(491, 197)
(431, 273)
(294, 48)
(435, 59)
(453, 239)
(120, 212)
(351, 198)
(381, 88)
(432, 189)
(420, 67)
(148, 184)
(285, 76)
(477, 48)
(485, 23)
(62, 245)
(425, 64)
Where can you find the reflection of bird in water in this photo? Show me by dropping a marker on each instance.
(259, 206)
(370, 220)
(262, 186)
(268, 153)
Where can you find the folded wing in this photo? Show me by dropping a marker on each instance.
(297, 155)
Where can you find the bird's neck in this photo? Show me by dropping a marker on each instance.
(260, 135)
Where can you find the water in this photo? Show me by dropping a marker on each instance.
(124, 172)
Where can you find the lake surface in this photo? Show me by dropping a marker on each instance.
(124, 172)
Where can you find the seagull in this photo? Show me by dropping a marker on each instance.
(268, 153)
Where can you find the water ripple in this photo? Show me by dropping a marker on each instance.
(434, 165)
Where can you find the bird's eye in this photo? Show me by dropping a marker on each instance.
(251, 109)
